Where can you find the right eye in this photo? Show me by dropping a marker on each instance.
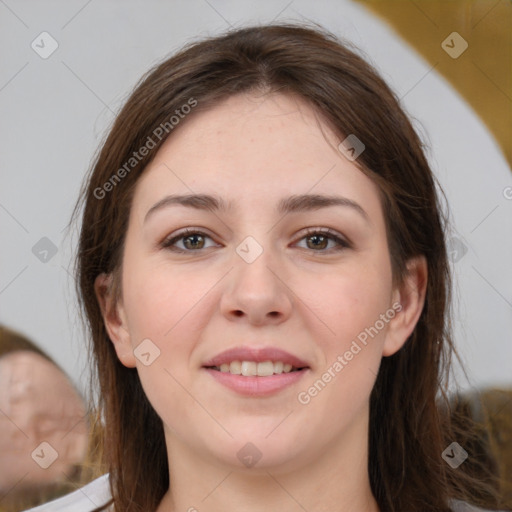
(193, 241)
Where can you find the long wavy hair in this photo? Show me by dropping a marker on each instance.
(408, 430)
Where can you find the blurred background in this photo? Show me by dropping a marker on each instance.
(67, 67)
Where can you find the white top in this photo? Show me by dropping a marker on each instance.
(97, 493)
(84, 499)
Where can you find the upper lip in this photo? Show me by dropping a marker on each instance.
(257, 355)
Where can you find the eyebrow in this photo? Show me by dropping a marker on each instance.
(292, 204)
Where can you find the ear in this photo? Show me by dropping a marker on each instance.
(115, 319)
(409, 298)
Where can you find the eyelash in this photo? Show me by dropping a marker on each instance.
(342, 244)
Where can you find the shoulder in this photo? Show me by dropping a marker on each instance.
(462, 506)
(85, 499)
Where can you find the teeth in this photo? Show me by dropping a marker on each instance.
(265, 369)
(251, 368)
(235, 368)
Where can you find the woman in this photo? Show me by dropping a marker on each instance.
(263, 270)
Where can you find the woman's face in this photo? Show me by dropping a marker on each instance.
(257, 282)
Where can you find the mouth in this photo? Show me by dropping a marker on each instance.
(256, 369)
(256, 372)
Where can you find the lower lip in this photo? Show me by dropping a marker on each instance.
(257, 386)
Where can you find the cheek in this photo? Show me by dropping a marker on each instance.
(162, 304)
(353, 301)
(160, 300)
(170, 308)
(356, 308)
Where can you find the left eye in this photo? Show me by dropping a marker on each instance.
(320, 239)
(317, 240)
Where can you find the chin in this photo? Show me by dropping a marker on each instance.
(256, 452)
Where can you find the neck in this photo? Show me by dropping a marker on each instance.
(336, 480)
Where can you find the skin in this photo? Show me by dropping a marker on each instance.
(39, 404)
(312, 302)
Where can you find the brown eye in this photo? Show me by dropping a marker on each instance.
(318, 241)
(191, 241)
(194, 241)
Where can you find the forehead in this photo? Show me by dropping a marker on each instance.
(253, 151)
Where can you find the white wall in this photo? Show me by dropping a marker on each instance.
(55, 111)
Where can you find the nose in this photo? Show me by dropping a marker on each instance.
(257, 292)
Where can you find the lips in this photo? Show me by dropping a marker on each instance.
(265, 383)
(257, 355)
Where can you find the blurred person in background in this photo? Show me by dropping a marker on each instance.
(43, 425)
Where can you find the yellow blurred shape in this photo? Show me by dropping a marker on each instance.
(482, 72)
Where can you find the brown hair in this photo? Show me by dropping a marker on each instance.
(408, 433)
